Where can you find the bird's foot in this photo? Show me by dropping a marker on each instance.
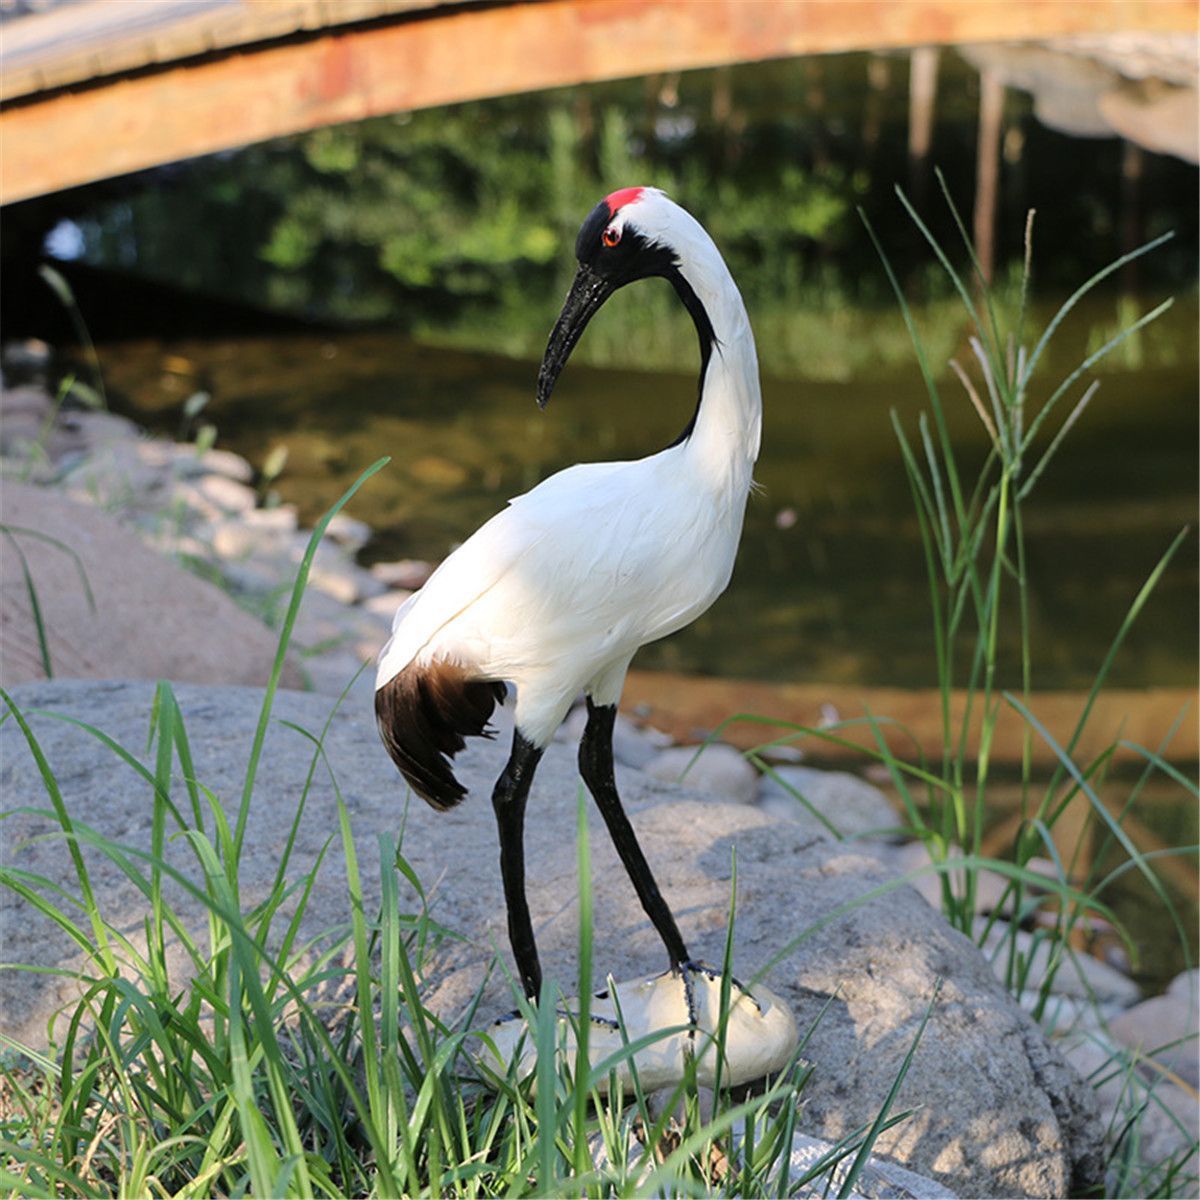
(689, 968)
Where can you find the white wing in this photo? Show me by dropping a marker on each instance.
(485, 558)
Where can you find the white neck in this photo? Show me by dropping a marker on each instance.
(724, 442)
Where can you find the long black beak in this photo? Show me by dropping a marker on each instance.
(588, 292)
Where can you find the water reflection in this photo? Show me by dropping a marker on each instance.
(830, 582)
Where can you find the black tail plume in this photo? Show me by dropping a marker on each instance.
(424, 716)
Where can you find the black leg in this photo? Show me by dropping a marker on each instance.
(596, 767)
(508, 799)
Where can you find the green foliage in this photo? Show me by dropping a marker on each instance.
(972, 533)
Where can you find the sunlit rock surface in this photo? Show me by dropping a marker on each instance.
(997, 1111)
(111, 606)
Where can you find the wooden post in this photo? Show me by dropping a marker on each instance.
(1132, 167)
(878, 77)
(987, 168)
(922, 96)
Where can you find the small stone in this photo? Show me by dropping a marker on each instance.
(1164, 1028)
(158, 454)
(786, 754)
(788, 808)
(853, 806)
(279, 519)
(226, 463)
(235, 539)
(720, 770)
(250, 577)
(227, 494)
(27, 400)
(386, 603)
(1077, 975)
(341, 585)
(102, 428)
(24, 413)
(632, 747)
(1061, 1015)
(198, 502)
(1164, 1116)
(1186, 985)
(349, 532)
(25, 358)
(991, 890)
(408, 573)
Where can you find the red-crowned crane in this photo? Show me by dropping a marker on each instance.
(557, 591)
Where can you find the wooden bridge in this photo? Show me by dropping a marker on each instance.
(97, 88)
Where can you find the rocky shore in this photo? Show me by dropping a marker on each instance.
(175, 567)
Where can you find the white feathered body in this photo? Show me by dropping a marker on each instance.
(558, 590)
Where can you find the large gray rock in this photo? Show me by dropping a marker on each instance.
(998, 1112)
(151, 618)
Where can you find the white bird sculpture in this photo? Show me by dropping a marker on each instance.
(557, 591)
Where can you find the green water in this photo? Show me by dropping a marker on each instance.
(830, 582)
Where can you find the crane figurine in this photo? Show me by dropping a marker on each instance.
(559, 589)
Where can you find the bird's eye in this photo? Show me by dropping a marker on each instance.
(611, 236)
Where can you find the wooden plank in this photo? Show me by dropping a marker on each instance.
(454, 54)
(90, 39)
(689, 707)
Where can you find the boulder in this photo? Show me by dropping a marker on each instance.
(151, 618)
(996, 1110)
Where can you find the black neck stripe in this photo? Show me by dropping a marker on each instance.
(706, 335)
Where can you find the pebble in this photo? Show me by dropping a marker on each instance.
(1163, 1118)
(385, 604)
(336, 574)
(1186, 985)
(408, 573)
(632, 747)
(853, 806)
(348, 531)
(250, 578)
(198, 502)
(227, 494)
(29, 356)
(785, 754)
(226, 463)
(991, 890)
(234, 539)
(1166, 1029)
(1078, 975)
(720, 770)
(279, 519)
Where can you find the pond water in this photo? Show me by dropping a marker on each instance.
(830, 583)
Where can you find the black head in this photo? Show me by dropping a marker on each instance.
(612, 250)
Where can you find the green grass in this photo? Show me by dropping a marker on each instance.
(972, 533)
(234, 1077)
(237, 1077)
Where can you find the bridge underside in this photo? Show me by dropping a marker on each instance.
(419, 56)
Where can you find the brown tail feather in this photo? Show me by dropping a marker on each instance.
(424, 714)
